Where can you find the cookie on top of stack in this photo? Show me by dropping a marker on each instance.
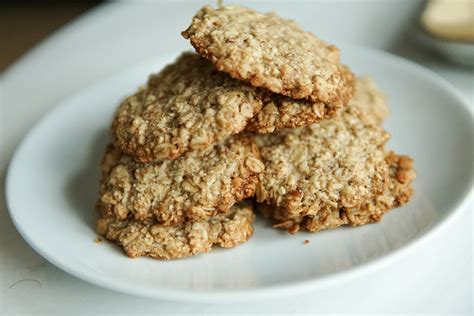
(264, 116)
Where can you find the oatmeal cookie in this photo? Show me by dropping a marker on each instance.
(322, 168)
(187, 106)
(150, 238)
(269, 52)
(193, 187)
(398, 192)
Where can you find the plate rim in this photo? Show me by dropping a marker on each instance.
(256, 293)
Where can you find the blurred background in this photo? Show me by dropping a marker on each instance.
(24, 23)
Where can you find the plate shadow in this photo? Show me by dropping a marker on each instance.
(82, 190)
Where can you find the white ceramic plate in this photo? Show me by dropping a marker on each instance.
(52, 186)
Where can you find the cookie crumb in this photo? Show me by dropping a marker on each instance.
(98, 240)
(306, 242)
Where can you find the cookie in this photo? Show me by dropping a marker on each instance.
(193, 187)
(269, 52)
(323, 168)
(398, 192)
(191, 106)
(187, 106)
(150, 238)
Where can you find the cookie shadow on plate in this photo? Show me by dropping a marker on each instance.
(82, 189)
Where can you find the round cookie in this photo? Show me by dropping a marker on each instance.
(398, 192)
(187, 106)
(193, 187)
(323, 168)
(269, 52)
(149, 238)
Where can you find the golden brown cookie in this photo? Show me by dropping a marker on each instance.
(187, 106)
(398, 192)
(193, 187)
(150, 238)
(323, 168)
(270, 52)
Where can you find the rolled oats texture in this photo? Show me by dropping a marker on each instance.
(336, 172)
(269, 52)
(187, 106)
(398, 193)
(195, 186)
(190, 106)
(323, 168)
(150, 238)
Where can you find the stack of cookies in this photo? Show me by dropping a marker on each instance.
(263, 117)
